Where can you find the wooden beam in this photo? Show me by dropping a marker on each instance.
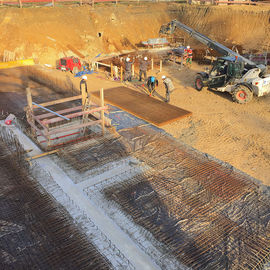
(58, 101)
(40, 122)
(57, 119)
(102, 112)
(30, 113)
(132, 70)
(102, 64)
(42, 155)
(29, 98)
(74, 127)
(111, 70)
(38, 130)
(45, 115)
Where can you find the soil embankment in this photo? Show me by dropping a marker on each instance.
(49, 33)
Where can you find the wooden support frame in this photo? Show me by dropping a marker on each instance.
(160, 65)
(41, 124)
(102, 112)
(111, 71)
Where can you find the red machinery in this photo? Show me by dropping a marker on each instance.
(71, 63)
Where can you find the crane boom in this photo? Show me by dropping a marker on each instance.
(170, 27)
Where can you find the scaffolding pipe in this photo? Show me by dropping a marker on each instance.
(46, 109)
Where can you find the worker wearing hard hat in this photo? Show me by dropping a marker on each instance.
(128, 65)
(152, 82)
(168, 86)
(188, 55)
(83, 83)
(143, 68)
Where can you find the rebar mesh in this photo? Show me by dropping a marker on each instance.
(36, 232)
(94, 153)
(207, 214)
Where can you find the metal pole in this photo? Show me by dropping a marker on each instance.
(50, 111)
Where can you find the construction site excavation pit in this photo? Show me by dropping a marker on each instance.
(104, 184)
(159, 205)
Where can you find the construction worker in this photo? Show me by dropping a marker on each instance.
(83, 83)
(152, 82)
(168, 86)
(143, 67)
(128, 65)
(188, 55)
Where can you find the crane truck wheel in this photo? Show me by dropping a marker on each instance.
(199, 83)
(242, 94)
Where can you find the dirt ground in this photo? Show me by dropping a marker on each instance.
(237, 134)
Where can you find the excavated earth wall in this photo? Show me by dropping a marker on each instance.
(48, 33)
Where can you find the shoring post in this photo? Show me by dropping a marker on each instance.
(152, 63)
(160, 65)
(84, 106)
(121, 73)
(111, 70)
(182, 61)
(97, 65)
(83, 98)
(30, 112)
(102, 111)
(49, 136)
(132, 70)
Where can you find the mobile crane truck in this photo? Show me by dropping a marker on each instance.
(231, 73)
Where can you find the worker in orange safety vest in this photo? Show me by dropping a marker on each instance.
(188, 55)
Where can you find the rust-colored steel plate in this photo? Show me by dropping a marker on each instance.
(147, 108)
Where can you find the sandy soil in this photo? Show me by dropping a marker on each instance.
(237, 134)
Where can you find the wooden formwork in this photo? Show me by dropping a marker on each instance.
(54, 125)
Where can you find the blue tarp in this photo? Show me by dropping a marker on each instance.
(80, 73)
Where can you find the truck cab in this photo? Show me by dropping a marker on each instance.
(72, 64)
